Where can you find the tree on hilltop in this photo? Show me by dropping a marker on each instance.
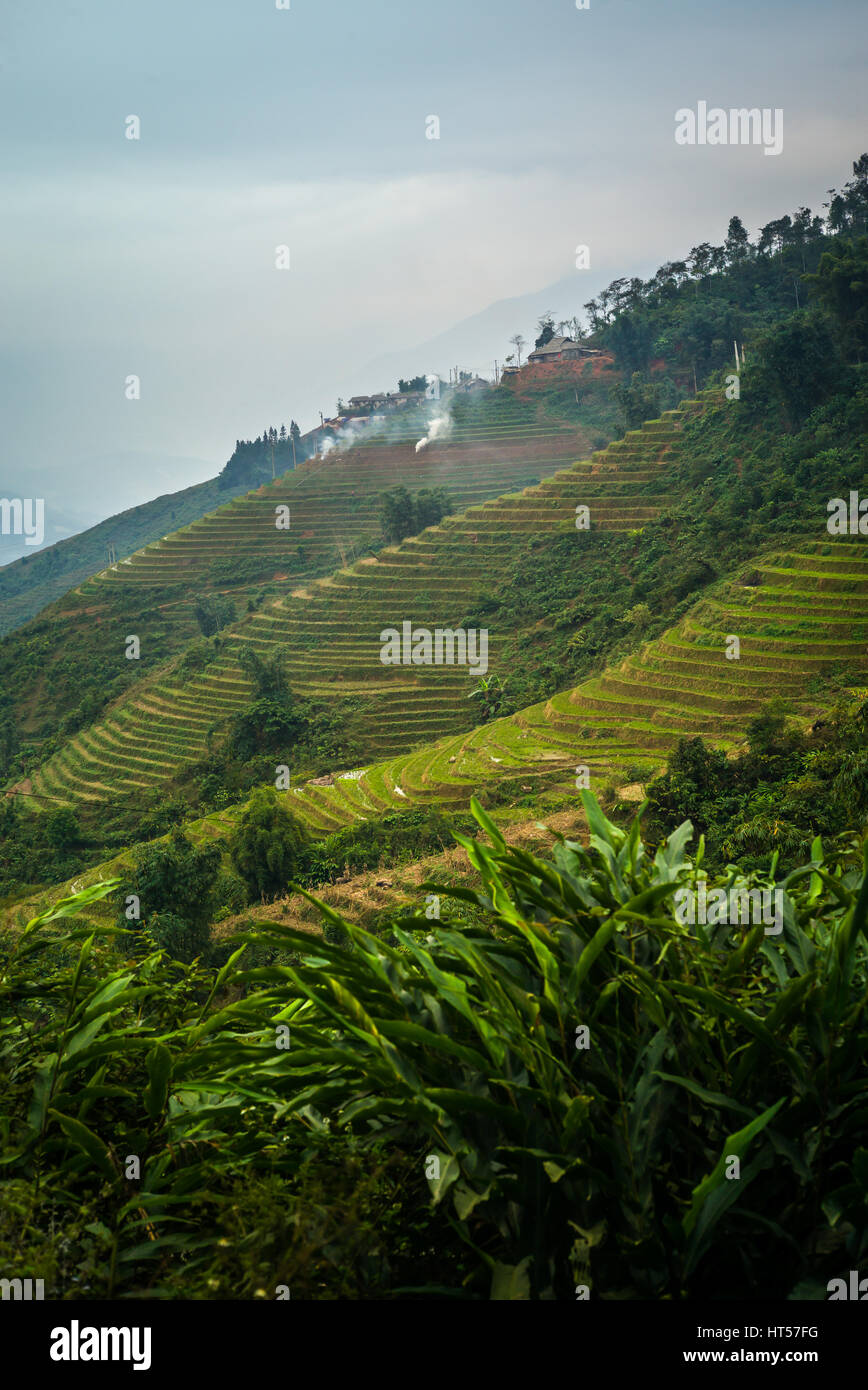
(546, 328)
(737, 240)
(517, 342)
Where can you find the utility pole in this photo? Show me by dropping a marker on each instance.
(272, 460)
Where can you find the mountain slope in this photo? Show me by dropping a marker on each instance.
(330, 630)
(30, 584)
(794, 630)
(74, 653)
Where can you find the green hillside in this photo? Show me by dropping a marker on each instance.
(330, 630)
(492, 1057)
(621, 725)
(201, 577)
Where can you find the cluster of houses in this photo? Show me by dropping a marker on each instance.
(368, 410)
(384, 401)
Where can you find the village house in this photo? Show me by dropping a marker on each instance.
(560, 350)
(470, 384)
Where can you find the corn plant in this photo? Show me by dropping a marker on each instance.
(608, 1164)
(601, 1096)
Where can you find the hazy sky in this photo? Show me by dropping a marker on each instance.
(307, 127)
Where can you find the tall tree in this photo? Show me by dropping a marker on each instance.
(518, 343)
(546, 329)
(737, 241)
(841, 285)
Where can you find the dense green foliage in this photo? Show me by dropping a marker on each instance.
(171, 892)
(36, 848)
(691, 311)
(268, 846)
(403, 513)
(399, 837)
(787, 788)
(566, 1077)
(750, 480)
(214, 612)
(267, 456)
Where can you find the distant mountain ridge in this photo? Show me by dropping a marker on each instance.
(29, 584)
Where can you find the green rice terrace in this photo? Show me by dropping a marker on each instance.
(799, 612)
(305, 524)
(330, 629)
(792, 626)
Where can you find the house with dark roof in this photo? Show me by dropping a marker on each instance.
(561, 350)
(469, 384)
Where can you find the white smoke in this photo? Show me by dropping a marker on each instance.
(438, 428)
(345, 438)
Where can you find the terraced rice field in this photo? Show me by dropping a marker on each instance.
(808, 614)
(334, 505)
(330, 630)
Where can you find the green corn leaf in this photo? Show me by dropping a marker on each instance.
(736, 1144)
(88, 1142)
(511, 1283)
(71, 906)
(714, 1098)
(450, 1172)
(159, 1064)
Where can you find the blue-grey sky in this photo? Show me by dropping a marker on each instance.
(307, 127)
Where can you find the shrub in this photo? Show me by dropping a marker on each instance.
(269, 845)
(61, 828)
(174, 879)
(183, 940)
